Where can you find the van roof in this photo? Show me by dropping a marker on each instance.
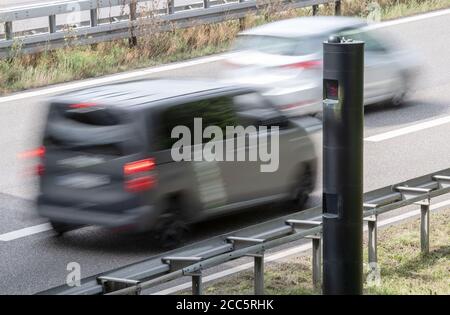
(144, 92)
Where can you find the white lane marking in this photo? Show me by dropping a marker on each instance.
(112, 78)
(35, 229)
(290, 252)
(10, 236)
(410, 19)
(409, 129)
(179, 65)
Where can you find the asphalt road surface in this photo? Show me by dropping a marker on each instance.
(33, 262)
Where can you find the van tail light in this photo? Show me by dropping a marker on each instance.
(140, 184)
(38, 153)
(40, 169)
(138, 175)
(139, 166)
(310, 64)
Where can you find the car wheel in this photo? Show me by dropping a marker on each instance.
(61, 228)
(319, 115)
(302, 191)
(399, 98)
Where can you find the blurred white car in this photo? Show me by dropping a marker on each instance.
(284, 60)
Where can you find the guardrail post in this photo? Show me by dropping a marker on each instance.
(133, 39)
(205, 4)
(170, 6)
(52, 23)
(316, 249)
(425, 227)
(94, 17)
(9, 30)
(259, 274)
(372, 230)
(315, 9)
(197, 285)
(110, 284)
(317, 261)
(337, 8)
(242, 19)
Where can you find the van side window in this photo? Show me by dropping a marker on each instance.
(213, 112)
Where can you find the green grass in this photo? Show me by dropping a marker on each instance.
(404, 270)
(413, 7)
(72, 63)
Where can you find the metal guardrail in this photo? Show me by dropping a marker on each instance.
(129, 25)
(255, 240)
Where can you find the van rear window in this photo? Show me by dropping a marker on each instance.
(92, 116)
(96, 130)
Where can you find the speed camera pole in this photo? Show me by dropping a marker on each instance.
(343, 123)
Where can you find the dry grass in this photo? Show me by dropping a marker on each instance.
(72, 63)
(404, 270)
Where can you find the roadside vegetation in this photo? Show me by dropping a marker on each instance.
(79, 62)
(404, 270)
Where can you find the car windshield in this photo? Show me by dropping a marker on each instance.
(371, 43)
(278, 45)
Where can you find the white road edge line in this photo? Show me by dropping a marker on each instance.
(10, 236)
(178, 65)
(410, 19)
(290, 252)
(28, 231)
(410, 129)
(112, 78)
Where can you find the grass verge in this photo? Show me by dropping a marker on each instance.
(72, 63)
(404, 270)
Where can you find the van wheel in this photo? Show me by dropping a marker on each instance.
(61, 228)
(170, 231)
(302, 191)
